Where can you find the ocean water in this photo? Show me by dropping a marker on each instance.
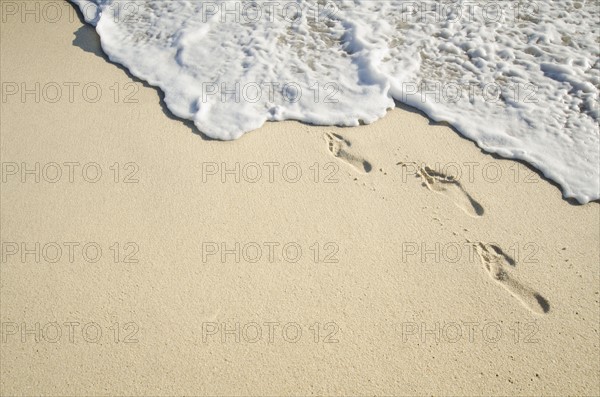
(519, 79)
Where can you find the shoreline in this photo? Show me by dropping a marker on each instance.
(88, 40)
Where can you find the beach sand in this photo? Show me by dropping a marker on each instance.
(297, 260)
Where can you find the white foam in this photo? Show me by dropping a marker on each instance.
(344, 63)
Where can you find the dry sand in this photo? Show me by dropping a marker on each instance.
(407, 283)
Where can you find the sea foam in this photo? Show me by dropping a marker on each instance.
(519, 79)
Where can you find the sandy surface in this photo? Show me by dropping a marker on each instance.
(367, 274)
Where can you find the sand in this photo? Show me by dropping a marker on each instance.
(298, 260)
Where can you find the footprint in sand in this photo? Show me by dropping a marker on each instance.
(338, 146)
(496, 263)
(451, 188)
